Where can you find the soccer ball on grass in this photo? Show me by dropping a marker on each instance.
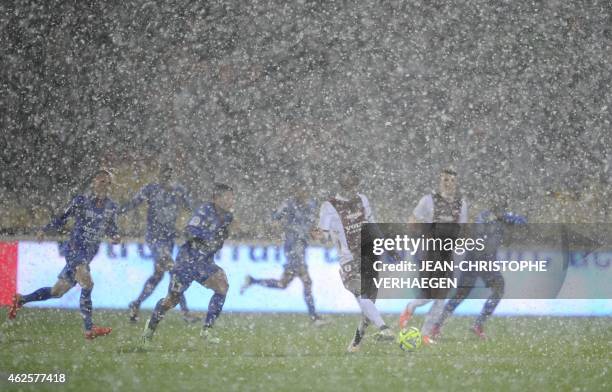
(409, 339)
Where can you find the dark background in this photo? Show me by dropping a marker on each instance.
(516, 95)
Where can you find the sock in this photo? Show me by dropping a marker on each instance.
(183, 304)
(487, 310)
(148, 288)
(41, 294)
(369, 310)
(214, 309)
(157, 315)
(449, 309)
(310, 302)
(271, 283)
(86, 305)
(432, 316)
(360, 331)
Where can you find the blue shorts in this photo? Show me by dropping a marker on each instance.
(77, 255)
(68, 273)
(295, 253)
(191, 265)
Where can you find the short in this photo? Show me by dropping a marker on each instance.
(161, 249)
(68, 274)
(181, 279)
(191, 265)
(359, 285)
(79, 254)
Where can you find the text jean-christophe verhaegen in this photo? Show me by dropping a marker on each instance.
(405, 244)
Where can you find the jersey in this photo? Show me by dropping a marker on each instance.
(91, 224)
(342, 219)
(297, 218)
(433, 208)
(163, 209)
(206, 232)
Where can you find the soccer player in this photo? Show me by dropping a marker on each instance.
(94, 217)
(205, 232)
(298, 214)
(492, 224)
(341, 218)
(164, 201)
(444, 206)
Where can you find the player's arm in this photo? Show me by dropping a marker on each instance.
(137, 200)
(314, 224)
(111, 228)
(423, 211)
(323, 232)
(60, 221)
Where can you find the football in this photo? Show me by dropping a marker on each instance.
(409, 339)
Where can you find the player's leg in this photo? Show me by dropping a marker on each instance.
(466, 283)
(495, 281)
(286, 277)
(368, 297)
(425, 296)
(302, 273)
(297, 259)
(64, 283)
(355, 344)
(410, 309)
(351, 278)
(280, 283)
(429, 330)
(187, 316)
(217, 281)
(83, 277)
(163, 262)
(179, 282)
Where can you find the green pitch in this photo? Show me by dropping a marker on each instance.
(284, 352)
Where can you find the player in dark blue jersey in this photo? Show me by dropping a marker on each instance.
(491, 226)
(94, 217)
(206, 232)
(165, 201)
(298, 215)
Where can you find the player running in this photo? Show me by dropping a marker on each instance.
(205, 232)
(298, 216)
(94, 217)
(492, 224)
(341, 218)
(444, 206)
(164, 201)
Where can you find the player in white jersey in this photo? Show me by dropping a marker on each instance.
(444, 206)
(340, 219)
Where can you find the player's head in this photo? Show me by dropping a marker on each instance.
(349, 180)
(223, 196)
(165, 173)
(448, 181)
(101, 183)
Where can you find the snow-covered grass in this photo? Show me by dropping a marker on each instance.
(285, 352)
